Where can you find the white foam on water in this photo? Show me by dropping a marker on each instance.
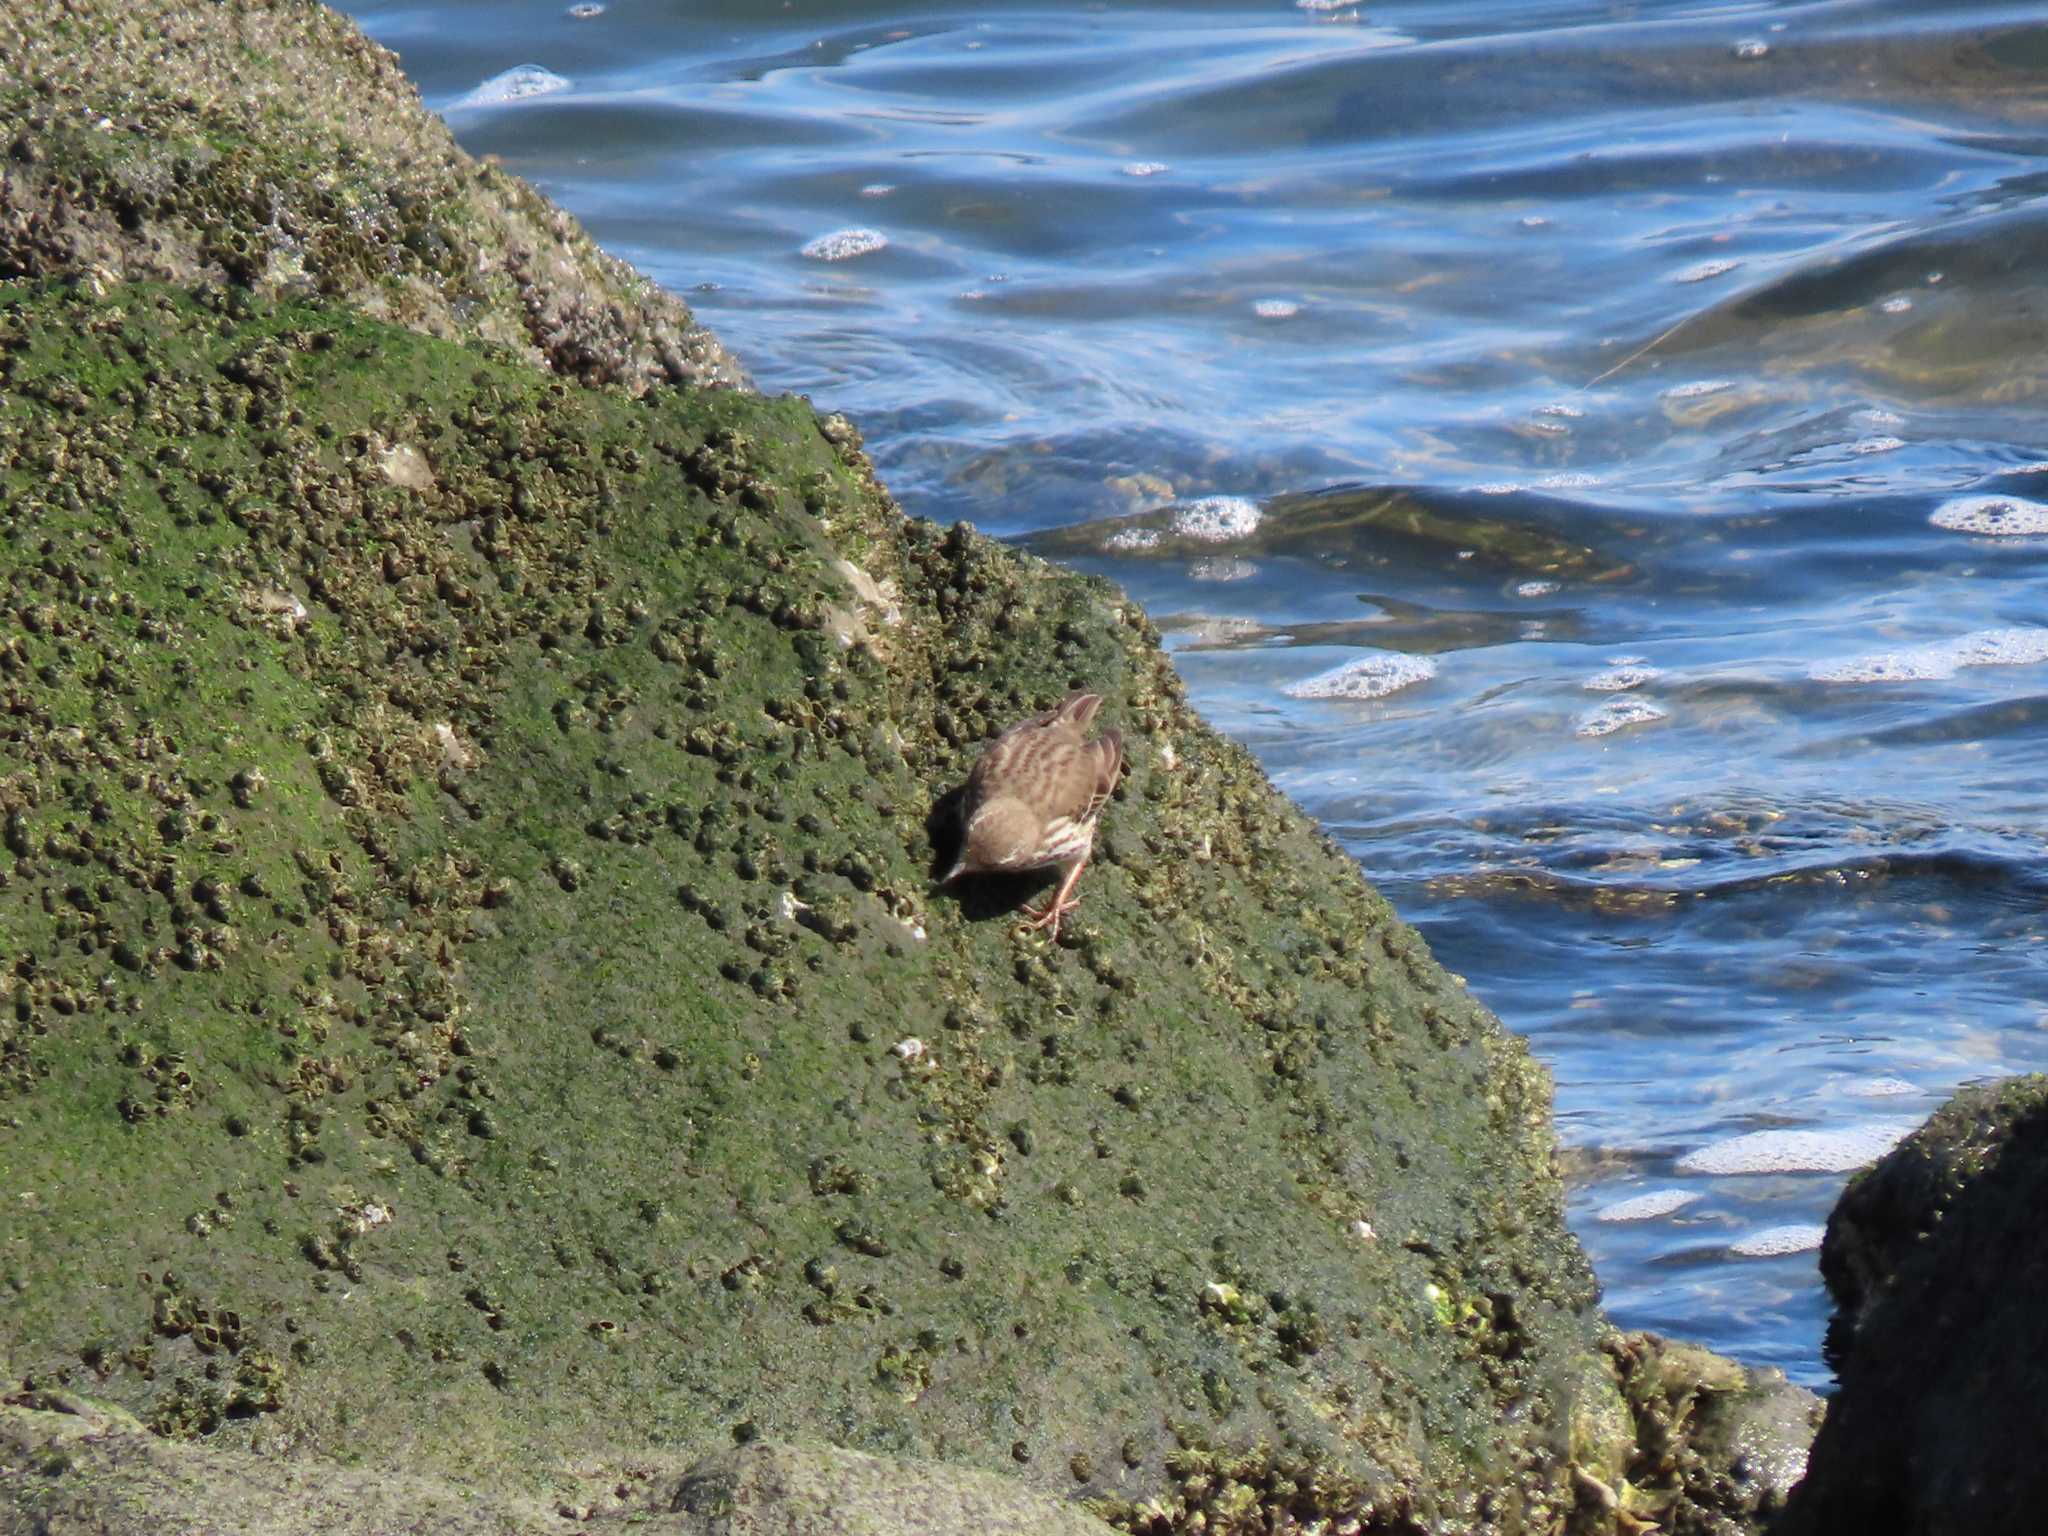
(1217, 519)
(1276, 309)
(1561, 408)
(1568, 480)
(1864, 445)
(1622, 678)
(520, 83)
(1879, 1088)
(1497, 488)
(1751, 48)
(1222, 568)
(877, 189)
(1147, 168)
(845, 244)
(1534, 221)
(2021, 646)
(1323, 5)
(1369, 677)
(1228, 629)
(1776, 1242)
(1897, 304)
(1618, 714)
(2003, 516)
(585, 10)
(1647, 1207)
(1842, 1150)
(1698, 388)
(1877, 418)
(1704, 271)
(1132, 538)
(1535, 588)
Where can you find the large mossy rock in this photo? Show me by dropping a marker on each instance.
(468, 883)
(1938, 1261)
(475, 1000)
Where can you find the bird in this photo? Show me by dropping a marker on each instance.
(1033, 798)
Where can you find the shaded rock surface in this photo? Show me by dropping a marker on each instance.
(466, 844)
(819, 1491)
(1938, 1262)
(78, 1466)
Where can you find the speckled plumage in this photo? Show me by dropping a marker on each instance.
(1034, 796)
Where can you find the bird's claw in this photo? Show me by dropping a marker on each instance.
(1049, 918)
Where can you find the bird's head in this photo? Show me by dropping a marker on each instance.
(1001, 834)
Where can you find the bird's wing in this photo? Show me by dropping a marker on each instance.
(1077, 710)
(1108, 753)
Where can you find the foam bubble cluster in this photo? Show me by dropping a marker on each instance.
(1647, 1207)
(1535, 588)
(1776, 1242)
(1276, 309)
(1369, 677)
(1897, 304)
(2004, 516)
(845, 244)
(1697, 388)
(1222, 568)
(1842, 1150)
(1619, 714)
(1864, 445)
(516, 84)
(1125, 539)
(1217, 519)
(1880, 1088)
(1620, 679)
(1146, 168)
(1704, 271)
(2021, 646)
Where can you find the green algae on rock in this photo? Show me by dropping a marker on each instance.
(425, 866)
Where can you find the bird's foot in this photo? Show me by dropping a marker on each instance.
(1048, 917)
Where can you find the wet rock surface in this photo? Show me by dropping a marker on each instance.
(1717, 1446)
(467, 873)
(1937, 1264)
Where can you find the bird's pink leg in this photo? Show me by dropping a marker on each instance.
(1049, 916)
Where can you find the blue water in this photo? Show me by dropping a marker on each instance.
(1657, 346)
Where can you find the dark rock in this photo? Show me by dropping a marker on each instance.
(1938, 1261)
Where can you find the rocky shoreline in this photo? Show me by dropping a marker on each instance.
(481, 1045)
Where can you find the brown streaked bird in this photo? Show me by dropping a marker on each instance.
(1033, 798)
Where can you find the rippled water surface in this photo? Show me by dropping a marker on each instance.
(1593, 452)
